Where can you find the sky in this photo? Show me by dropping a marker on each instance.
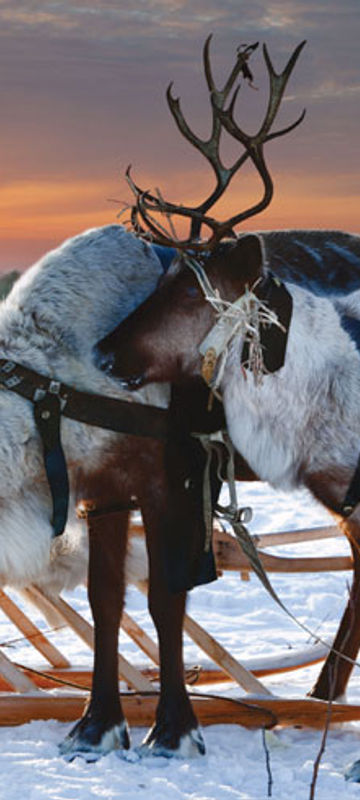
(83, 95)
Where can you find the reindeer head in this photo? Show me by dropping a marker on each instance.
(160, 340)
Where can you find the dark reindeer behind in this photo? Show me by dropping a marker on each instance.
(299, 425)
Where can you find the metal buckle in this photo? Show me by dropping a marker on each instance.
(39, 394)
(14, 380)
(54, 387)
(9, 366)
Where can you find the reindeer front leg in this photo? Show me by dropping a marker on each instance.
(176, 730)
(173, 515)
(103, 727)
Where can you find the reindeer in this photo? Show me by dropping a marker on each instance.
(282, 357)
(49, 324)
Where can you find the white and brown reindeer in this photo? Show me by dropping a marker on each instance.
(290, 390)
(49, 324)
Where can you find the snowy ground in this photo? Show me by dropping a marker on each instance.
(243, 617)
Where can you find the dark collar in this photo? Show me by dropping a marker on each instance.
(273, 338)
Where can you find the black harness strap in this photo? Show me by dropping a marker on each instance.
(102, 411)
(89, 510)
(47, 414)
(51, 399)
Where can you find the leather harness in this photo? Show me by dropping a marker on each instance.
(51, 399)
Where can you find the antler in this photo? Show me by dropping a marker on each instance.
(148, 204)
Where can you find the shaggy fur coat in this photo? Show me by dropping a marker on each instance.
(50, 321)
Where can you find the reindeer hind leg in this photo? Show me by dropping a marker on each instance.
(335, 674)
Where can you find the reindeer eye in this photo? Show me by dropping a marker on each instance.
(192, 291)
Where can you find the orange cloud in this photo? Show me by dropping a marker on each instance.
(41, 209)
(38, 215)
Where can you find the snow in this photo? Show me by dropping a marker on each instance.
(248, 622)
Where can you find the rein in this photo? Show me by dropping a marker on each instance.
(51, 399)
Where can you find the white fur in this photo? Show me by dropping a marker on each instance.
(73, 746)
(52, 318)
(306, 416)
(191, 745)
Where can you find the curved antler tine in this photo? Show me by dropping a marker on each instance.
(146, 203)
(231, 107)
(289, 128)
(290, 64)
(258, 159)
(160, 236)
(207, 65)
(148, 206)
(278, 83)
(134, 188)
(174, 105)
(142, 210)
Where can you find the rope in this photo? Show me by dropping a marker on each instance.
(208, 696)
(31, 637)
(53, 678)
(251, 706)
(244, 317)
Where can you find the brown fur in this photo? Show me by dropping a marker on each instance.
(166, 479)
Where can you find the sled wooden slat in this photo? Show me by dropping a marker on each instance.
(229, 556)
(272, 539)
(49, 612)
(195, 675)
(14, 676)
(23, 694)
(223, 658)
(219, 654)
(85, 631)
(35, 636)
(297, 537)
(251, 712)
(51, 678)
(139, 636)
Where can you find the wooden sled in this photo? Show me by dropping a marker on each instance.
(24, 691)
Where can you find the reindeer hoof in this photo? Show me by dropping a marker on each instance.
(352, 772)
(90, 740)
(189, 745)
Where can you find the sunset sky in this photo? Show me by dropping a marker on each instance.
(83, 95)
